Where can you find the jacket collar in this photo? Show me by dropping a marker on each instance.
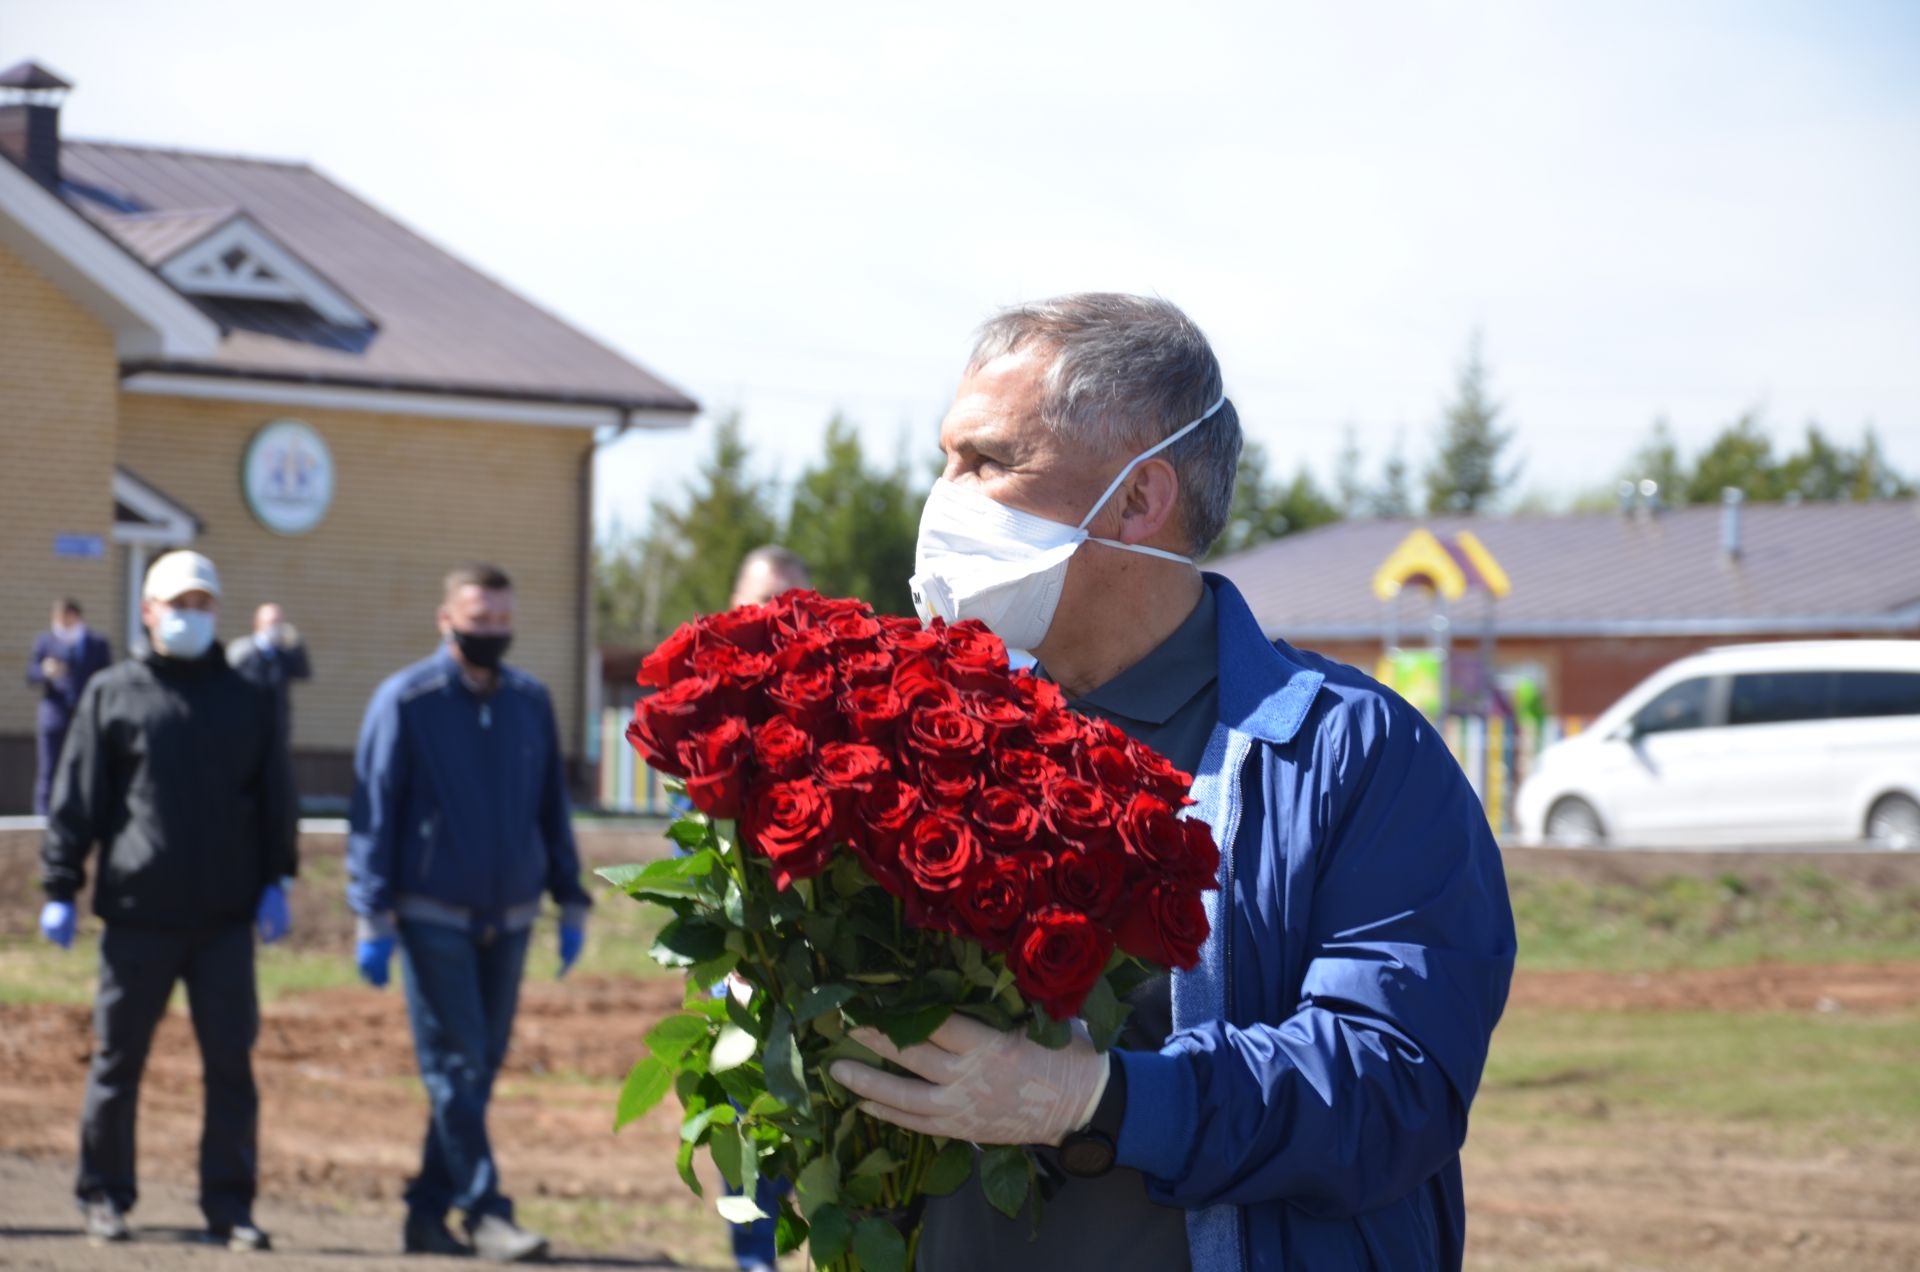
(1263, 691)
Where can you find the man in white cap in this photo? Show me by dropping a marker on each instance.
(176, 766)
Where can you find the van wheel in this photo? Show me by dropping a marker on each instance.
(1894, 823)
(1572, 823)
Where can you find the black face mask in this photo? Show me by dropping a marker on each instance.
(482, 650)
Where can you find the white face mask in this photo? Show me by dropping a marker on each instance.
(977, 558)
(183, 633)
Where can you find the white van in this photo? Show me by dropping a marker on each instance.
(1789, 743)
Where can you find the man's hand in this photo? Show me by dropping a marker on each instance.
(56, 923)
(273, 918)
(573, 939)
(52, 668)
(373, 954)
(981, 1085)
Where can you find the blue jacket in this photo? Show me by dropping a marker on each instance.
(59, 695)
(1309, 1109)
(459, 811)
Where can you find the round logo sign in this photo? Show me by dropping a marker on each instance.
(287, 477)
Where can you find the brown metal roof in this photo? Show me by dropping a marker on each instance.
(443, 326)
(30, 75)
(1801, 567)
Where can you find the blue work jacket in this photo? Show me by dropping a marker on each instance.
(460, 802)
(1309, 1109)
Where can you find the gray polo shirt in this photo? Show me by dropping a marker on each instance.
(1169, 700)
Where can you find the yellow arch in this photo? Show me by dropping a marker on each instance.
(1492, 577)
(1421, 558)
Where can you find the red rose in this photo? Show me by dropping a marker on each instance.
(716, 764)
(1055, 733)
(1081, 813)
(1158, 776)
(790, 824)
(806, 651)
(949, 783)
(1113, 769)
(905, 636)
(671, 659)
(993, 901)
(887, 809)
(730, 665)
(1042, 696)
(783, 747)
(938, 851)
(867, 667)
(854, 629)
(1005, 820)
(1170, 847)
(748, 626)
(1164, 923)
(921, 686)
(1056, 957)
(846, 769)
(1089, 882)
(1097, 732)
(872, 713)
(971, 644)
(806, 697)
(1003, 717)
(664, 720)
(944, 733)
(1028, 772)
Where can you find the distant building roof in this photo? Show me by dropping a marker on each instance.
(1802, 568)
(434, 323)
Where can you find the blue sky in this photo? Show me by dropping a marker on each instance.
(1648, 209)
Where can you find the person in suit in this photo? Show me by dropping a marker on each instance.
(272, 657)
(65, 657)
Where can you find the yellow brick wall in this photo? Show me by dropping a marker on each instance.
(412, 498)
(59, 382)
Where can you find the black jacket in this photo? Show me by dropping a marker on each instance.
(178, 768)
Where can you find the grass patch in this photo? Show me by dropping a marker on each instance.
(1807, 1077)
(1802, 915)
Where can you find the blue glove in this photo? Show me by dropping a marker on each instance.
(373, 957)
(56, 923)
(272, 917)
(573, 939)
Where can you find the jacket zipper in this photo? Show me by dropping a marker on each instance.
(430, 831)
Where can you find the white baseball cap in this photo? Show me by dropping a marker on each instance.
(178, 573)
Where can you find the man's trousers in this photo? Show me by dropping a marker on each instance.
(138, 969)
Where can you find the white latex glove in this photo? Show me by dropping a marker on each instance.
(981, 1085)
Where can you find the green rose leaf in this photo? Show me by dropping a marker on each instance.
(861, 1192)
(879, 1246)
(676, 1035)
(878, 1162)
(949, 1169)
(684, 942)
(789, 1229)
(673, 878)
(1104, 1013)
(683, 1162)
(739, 1208)
(718, 1114)
(646, 1085)
(689, 833)
(785, 1077)
(831, 1230)
(913, 1025)
(1004, 1178)
(711, 972)
(733, 1048)
(820, 1000)
(1049, 1033)
(726, 1152)
(818, 1185)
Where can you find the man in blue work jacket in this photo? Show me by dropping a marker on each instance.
(1299, 1099)
(459, 823)
(65, 657)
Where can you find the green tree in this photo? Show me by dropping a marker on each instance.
(1873, 476)
(1657, 458)
(1466, 474)
(1264, 510)
(855, 525)
(1740, 457)
(1349, 487)
(1392, 497)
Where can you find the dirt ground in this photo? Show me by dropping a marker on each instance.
(342, 1116)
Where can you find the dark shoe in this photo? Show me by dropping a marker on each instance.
(502, 1241)
(242, 1237)
(430, 1236)
(104, 1222)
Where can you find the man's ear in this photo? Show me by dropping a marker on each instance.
(1150, 503)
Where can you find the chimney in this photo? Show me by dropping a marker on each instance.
(30, 99)
(1730, 500)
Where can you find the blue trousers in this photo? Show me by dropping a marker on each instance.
(462, 989)
(47, 739)
(753, 1243)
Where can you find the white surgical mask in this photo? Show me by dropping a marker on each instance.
(977, 558)
(183, 633)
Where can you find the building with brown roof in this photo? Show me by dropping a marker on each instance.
(241, 356)
(1600, 600)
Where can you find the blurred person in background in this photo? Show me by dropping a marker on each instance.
(65, 657)
(273, 656)
(176, 766)
(766, 572)
(459, 822)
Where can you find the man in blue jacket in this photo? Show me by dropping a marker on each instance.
(459, 823)
(65, 657)
(1298, 1099)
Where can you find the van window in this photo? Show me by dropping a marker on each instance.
(1781, 697)
(1683, 706)
(1877, 693)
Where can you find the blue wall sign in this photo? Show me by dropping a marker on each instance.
(86, 547)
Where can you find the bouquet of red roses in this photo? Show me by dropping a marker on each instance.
(892, 827)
